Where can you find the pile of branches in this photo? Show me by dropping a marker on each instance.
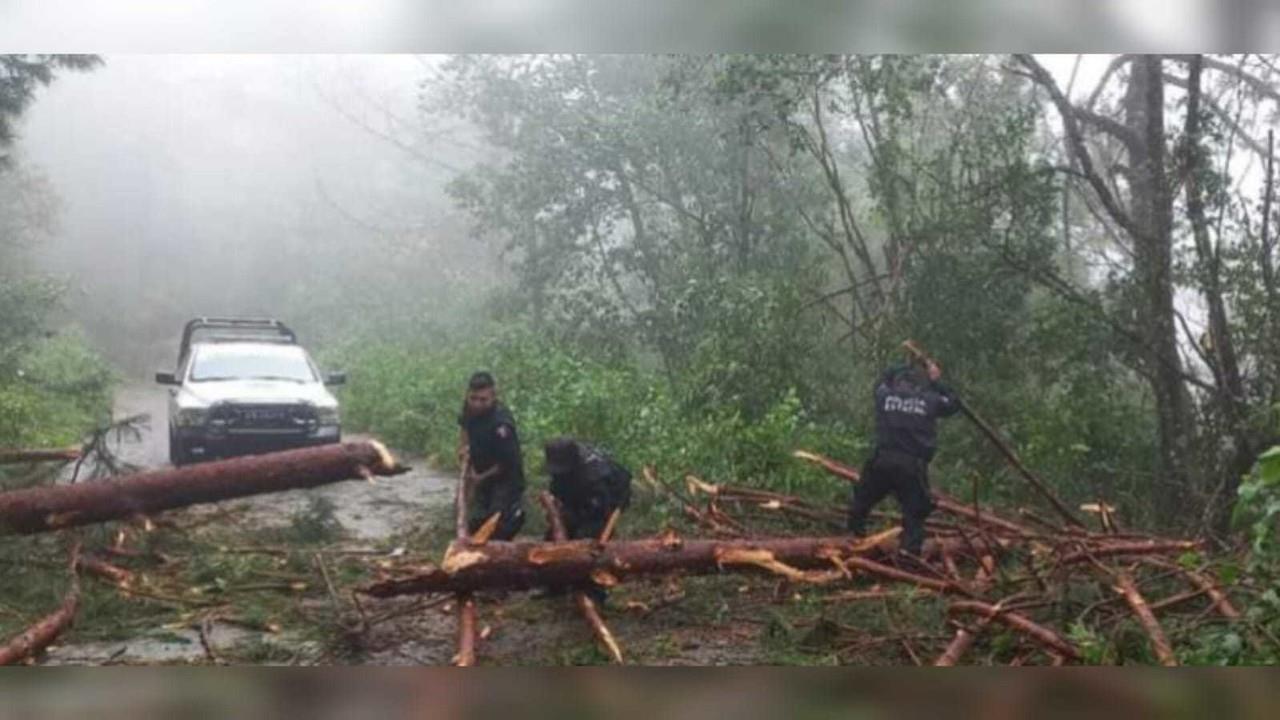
(1029, 575)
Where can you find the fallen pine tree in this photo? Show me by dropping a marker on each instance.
(468, 567)
(42, 509)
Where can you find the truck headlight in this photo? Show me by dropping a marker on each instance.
(327, 415)
(191, 417)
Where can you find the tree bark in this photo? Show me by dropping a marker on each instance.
(1272, 315)
(1021, 623)
(466, 656)
(43, 509)
(1151, 208)
(960, 644)
(1126, 587)
(526, 565)
(1229, 394)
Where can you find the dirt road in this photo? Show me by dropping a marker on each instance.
(369, 514)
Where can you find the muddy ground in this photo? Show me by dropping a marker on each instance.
(723, 621)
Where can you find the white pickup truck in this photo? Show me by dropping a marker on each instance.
(243, 386)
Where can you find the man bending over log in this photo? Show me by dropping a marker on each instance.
(909, 400)
(495, 472)
(590, 487)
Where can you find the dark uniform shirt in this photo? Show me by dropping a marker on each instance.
(907, 414)
(493, 440)
(592, 491)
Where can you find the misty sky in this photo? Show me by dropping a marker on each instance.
(211, 184)
(160, 143)
(196, 153)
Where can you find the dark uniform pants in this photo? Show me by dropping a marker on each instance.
(498, 495)
(907, 478)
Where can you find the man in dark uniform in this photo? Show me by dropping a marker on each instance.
(495, 473)
(590, 487)
(909, 401)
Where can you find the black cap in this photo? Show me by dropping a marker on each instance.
(480, 380)
(563, 455)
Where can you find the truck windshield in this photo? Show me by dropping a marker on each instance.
(212, 363)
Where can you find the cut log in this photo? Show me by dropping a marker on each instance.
(113, 574)
(1175, 600)
(872, 567)
(1206, 586)
(466, 656)
(1115, 548)
(834, 467)
(525, 565)
(555, 522)
(1021, 623)
(13, 456)
(960, 644)
(42, 509)
(48, 628)
(1147, 619)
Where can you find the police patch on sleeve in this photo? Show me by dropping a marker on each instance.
(503, 432)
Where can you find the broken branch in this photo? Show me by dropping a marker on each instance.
(39, 636)
(555, 521)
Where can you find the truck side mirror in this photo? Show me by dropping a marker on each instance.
(166, 378)
(336, 378)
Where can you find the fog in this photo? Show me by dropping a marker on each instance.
(305, 187)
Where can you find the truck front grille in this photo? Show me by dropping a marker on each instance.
(247, 418)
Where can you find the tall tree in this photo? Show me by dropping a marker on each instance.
(1134, 167)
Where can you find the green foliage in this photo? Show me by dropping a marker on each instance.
(24, 308)
(1257, 508)
(412, 398)
(1256, 514)
(56, 391)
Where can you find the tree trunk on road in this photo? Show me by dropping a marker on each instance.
(52, 508)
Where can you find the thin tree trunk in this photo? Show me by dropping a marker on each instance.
(466, 656)
(1151, 209)
(1222, 353)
